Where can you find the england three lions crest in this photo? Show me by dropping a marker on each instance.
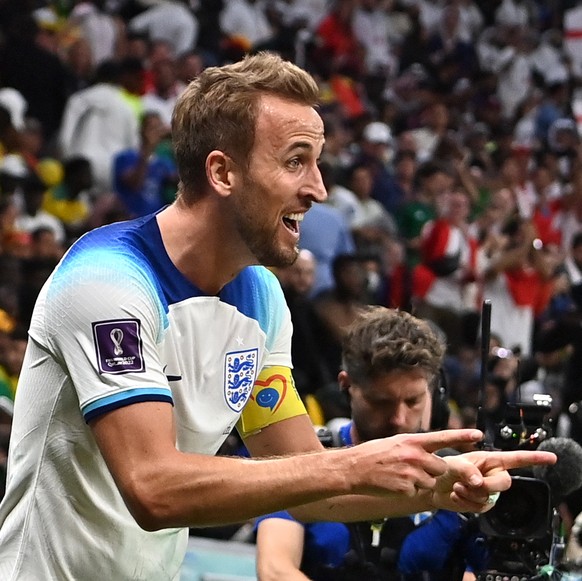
(240, 372)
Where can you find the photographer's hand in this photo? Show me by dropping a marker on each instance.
(474, 477)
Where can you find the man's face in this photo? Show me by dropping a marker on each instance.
(438, 184)
(282, 182)
(393, 403)
(303, 274)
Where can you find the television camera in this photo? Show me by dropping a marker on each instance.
(524, 533)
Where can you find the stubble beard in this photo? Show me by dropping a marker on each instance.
(259, 239)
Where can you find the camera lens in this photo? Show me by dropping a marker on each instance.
(523, 511)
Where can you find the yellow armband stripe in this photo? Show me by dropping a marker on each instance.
(274, 398)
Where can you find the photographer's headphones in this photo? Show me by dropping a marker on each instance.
(440, 412)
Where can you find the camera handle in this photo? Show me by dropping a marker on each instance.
(558, 546)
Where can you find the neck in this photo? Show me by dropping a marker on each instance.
(201, 245)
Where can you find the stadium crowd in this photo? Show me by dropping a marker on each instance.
(453, 164)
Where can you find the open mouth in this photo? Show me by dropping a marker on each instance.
(291, 221)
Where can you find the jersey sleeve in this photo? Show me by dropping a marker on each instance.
(101, 316)
(274, 397)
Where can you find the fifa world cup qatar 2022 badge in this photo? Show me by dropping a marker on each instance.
(118, 346)
(239, 377)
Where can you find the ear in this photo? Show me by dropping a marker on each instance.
(345, 382)
(221, 172)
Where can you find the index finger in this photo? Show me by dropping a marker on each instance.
(518, 458)
(433, 441)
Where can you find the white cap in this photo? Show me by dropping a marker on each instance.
(377, 132)
(46, 18)
(13, 165)
(16, 104)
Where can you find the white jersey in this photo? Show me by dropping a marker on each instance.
(115, 324)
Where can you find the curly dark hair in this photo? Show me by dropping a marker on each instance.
(383, 339)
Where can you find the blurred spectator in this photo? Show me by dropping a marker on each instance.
(514, 13)
(102, 31)
(188, 66)
(140, 175)
(570, 220)
(449, 46)
(448, 262)
(517, 281)
(210, 36)
(471, 19)
(44, 244)
(336, 149)
(166, 90)
(405, 167)
(516, 78)
(337, 42)
(244, 23)
(573, 270)
(12, 241)
(488, 225)
(309, 371)
(69, 201)
(434, 126)
(32, 215)
(478, 152)
(432, 180)
(514, 175)
(413, 50)
(9, 135)
(377, 152)
(375, 31)
(13, 172)
(326, 234)
(564, 145)
(339, 307)
(546, 214)
(31, 142)
(169, 20)
(16, 105)
(338, 196)
(38, 74)
(572, 23)
(98, 123)
(371, 224)
(549, 61)
(80, 66)
(131, 79)
(554, 106)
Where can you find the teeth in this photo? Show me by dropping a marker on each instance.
(298, 216)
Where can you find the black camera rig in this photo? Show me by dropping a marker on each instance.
(523, 532)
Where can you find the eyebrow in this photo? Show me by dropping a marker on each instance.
(300, 145)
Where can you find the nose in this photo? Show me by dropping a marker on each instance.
(398, 418)
(315, 187)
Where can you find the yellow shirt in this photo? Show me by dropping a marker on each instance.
(68, 211)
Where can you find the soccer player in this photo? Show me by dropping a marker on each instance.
(154, 338)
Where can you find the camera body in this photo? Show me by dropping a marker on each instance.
(518, 529)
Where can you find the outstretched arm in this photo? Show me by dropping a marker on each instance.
(164, 487)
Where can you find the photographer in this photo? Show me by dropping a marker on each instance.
(390, 362)
(517, 278)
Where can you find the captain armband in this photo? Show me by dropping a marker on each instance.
(274, 398)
